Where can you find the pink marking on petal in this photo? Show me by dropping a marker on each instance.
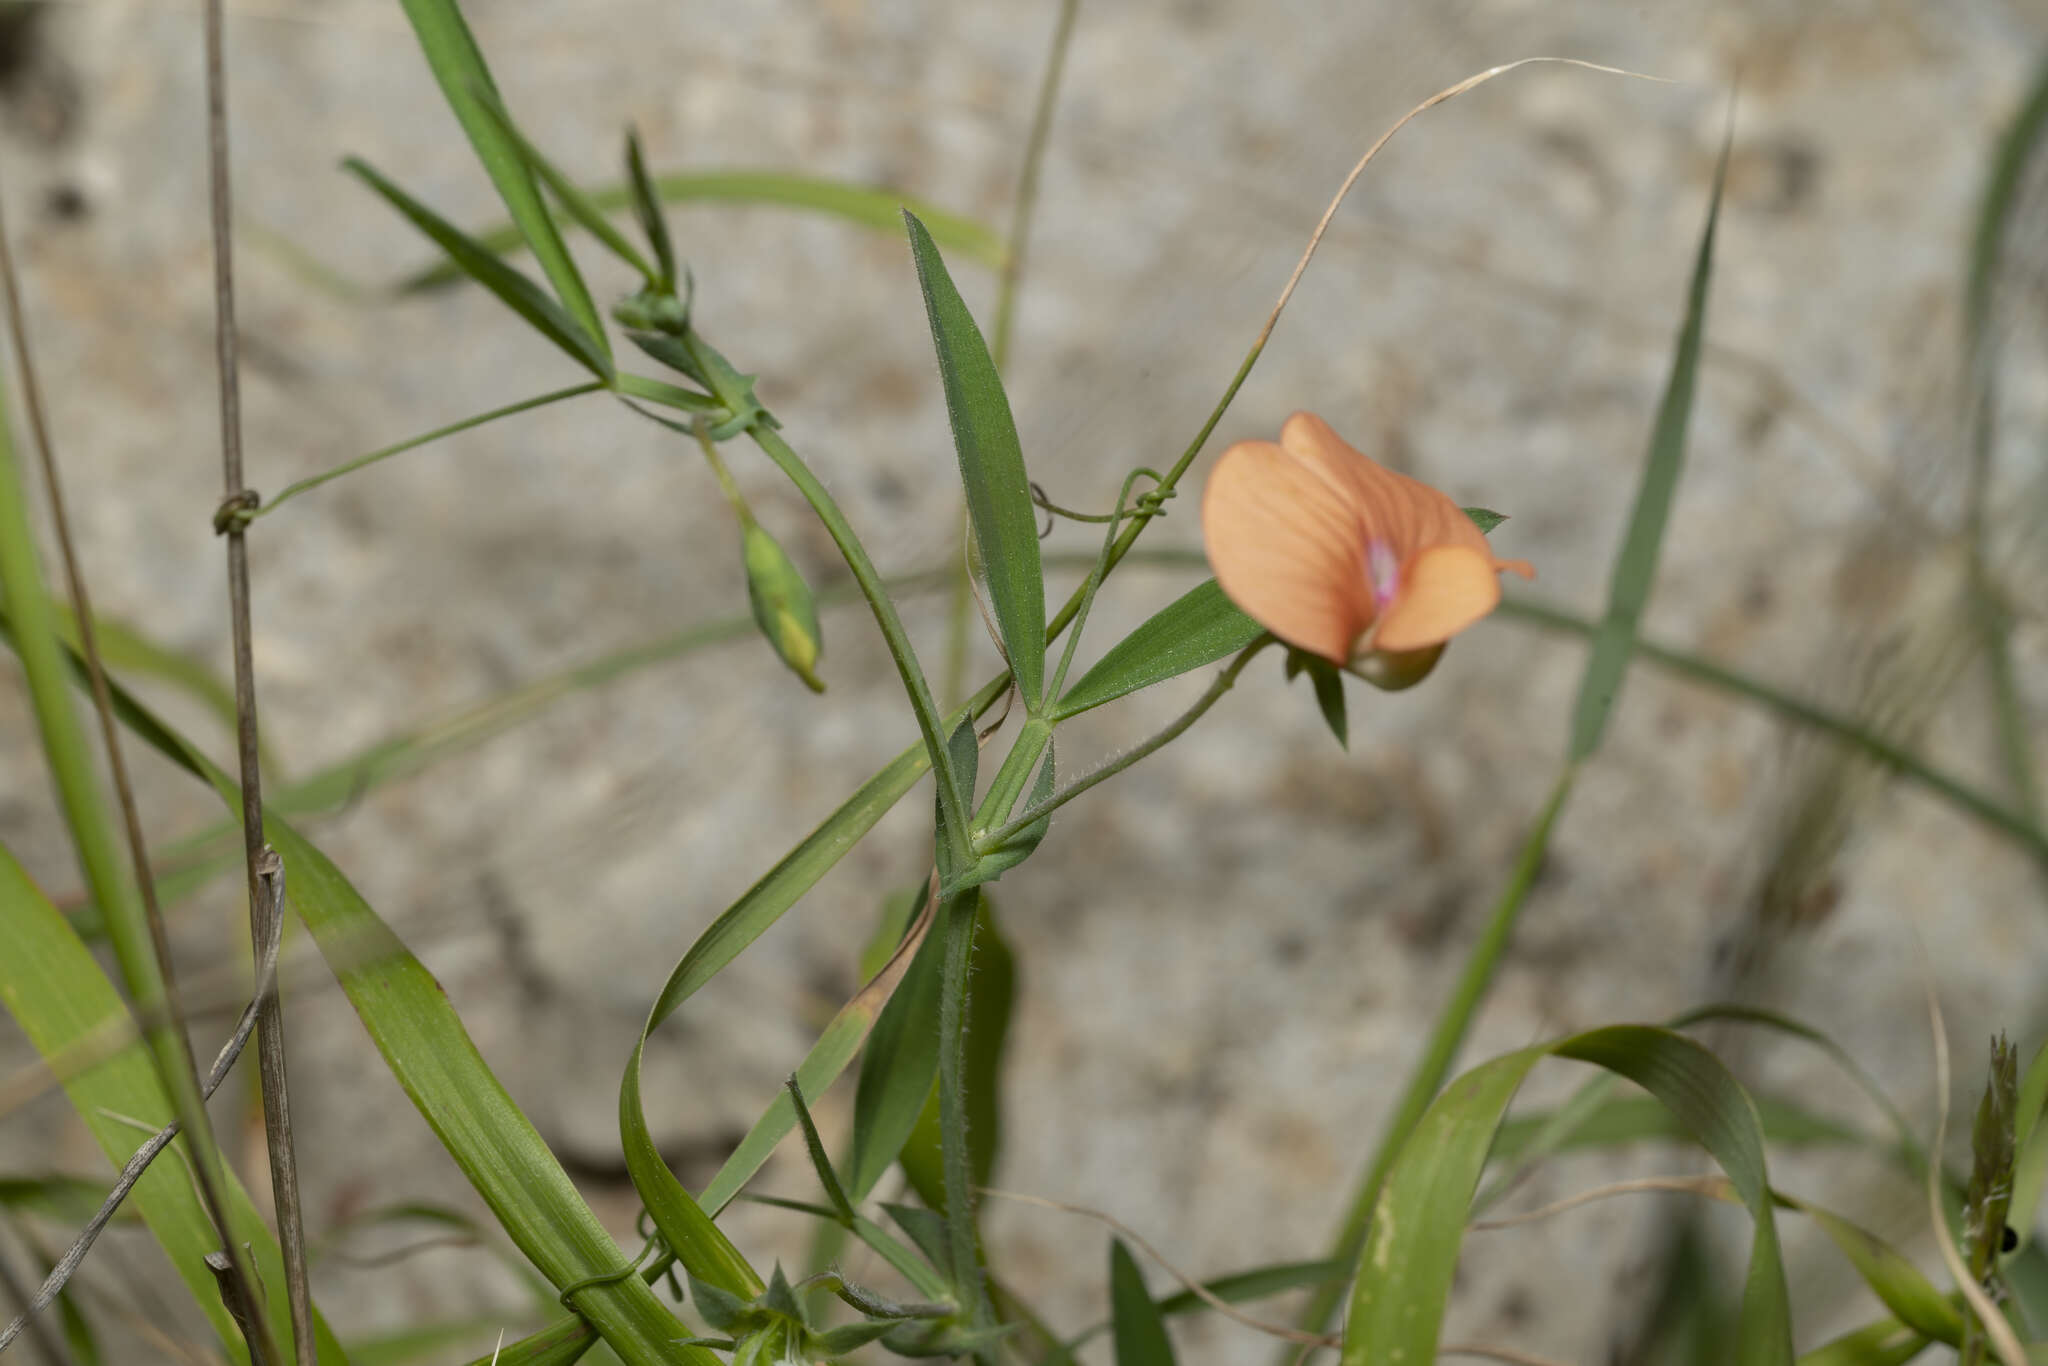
(1383, 572)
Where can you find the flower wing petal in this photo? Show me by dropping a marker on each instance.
(1443, 590)
(1285, 550)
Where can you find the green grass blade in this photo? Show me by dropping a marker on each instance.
(560, 1343)
(566, 192)
(1705, 1097)
(61, 1199)
(999, 503)
(1635, 569)
(57, 993)
(1891, 1276)
(2016, 150)
(877, 207)
(1618, 1121)
(126, 650)
(1441, 1049)
(1238, 1287)
(699, 1245)
(432, 1342)
(1256, 1284)
(1997, 816)
(1196, 629)
(518, 293)
(1135, 1322)
(2004, 199)
(1884, 1343)
(1419, 1221)
(1613, 644)
(458, 65)
(422, 1040)
(415, 1028)
(109, 869)
(896, 1073)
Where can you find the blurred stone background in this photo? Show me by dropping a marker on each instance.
(1230, 956)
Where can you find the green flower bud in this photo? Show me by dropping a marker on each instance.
(1390, 672)
(783, 606)
(648, 311)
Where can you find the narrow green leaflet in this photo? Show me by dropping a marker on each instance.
(738, 926)
(646, 200)
(566, 192)
(1135, 1323)
(1197, 628)
(879, 207)
(1418, 1224)
(999, 503)
(835, 1048)
(896, 1073)
(56, 991)
(458, 65)
(1635, 569)
(517, 292)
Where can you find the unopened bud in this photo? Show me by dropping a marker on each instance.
(1391, 671)
(783, 606)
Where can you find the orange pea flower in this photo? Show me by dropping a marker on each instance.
(1344, 558)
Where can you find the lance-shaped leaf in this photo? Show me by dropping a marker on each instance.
(896, 1073)
(458, 65)
(999, 503)
(517, 292)
(1197, 628)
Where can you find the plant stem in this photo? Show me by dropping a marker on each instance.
(951, 802)
(1026, 200)
(270, 1052)
(736, 500)
(957, 925)
(351, 466)
(1038, 811)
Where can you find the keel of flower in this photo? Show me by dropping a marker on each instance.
(1341, 557)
